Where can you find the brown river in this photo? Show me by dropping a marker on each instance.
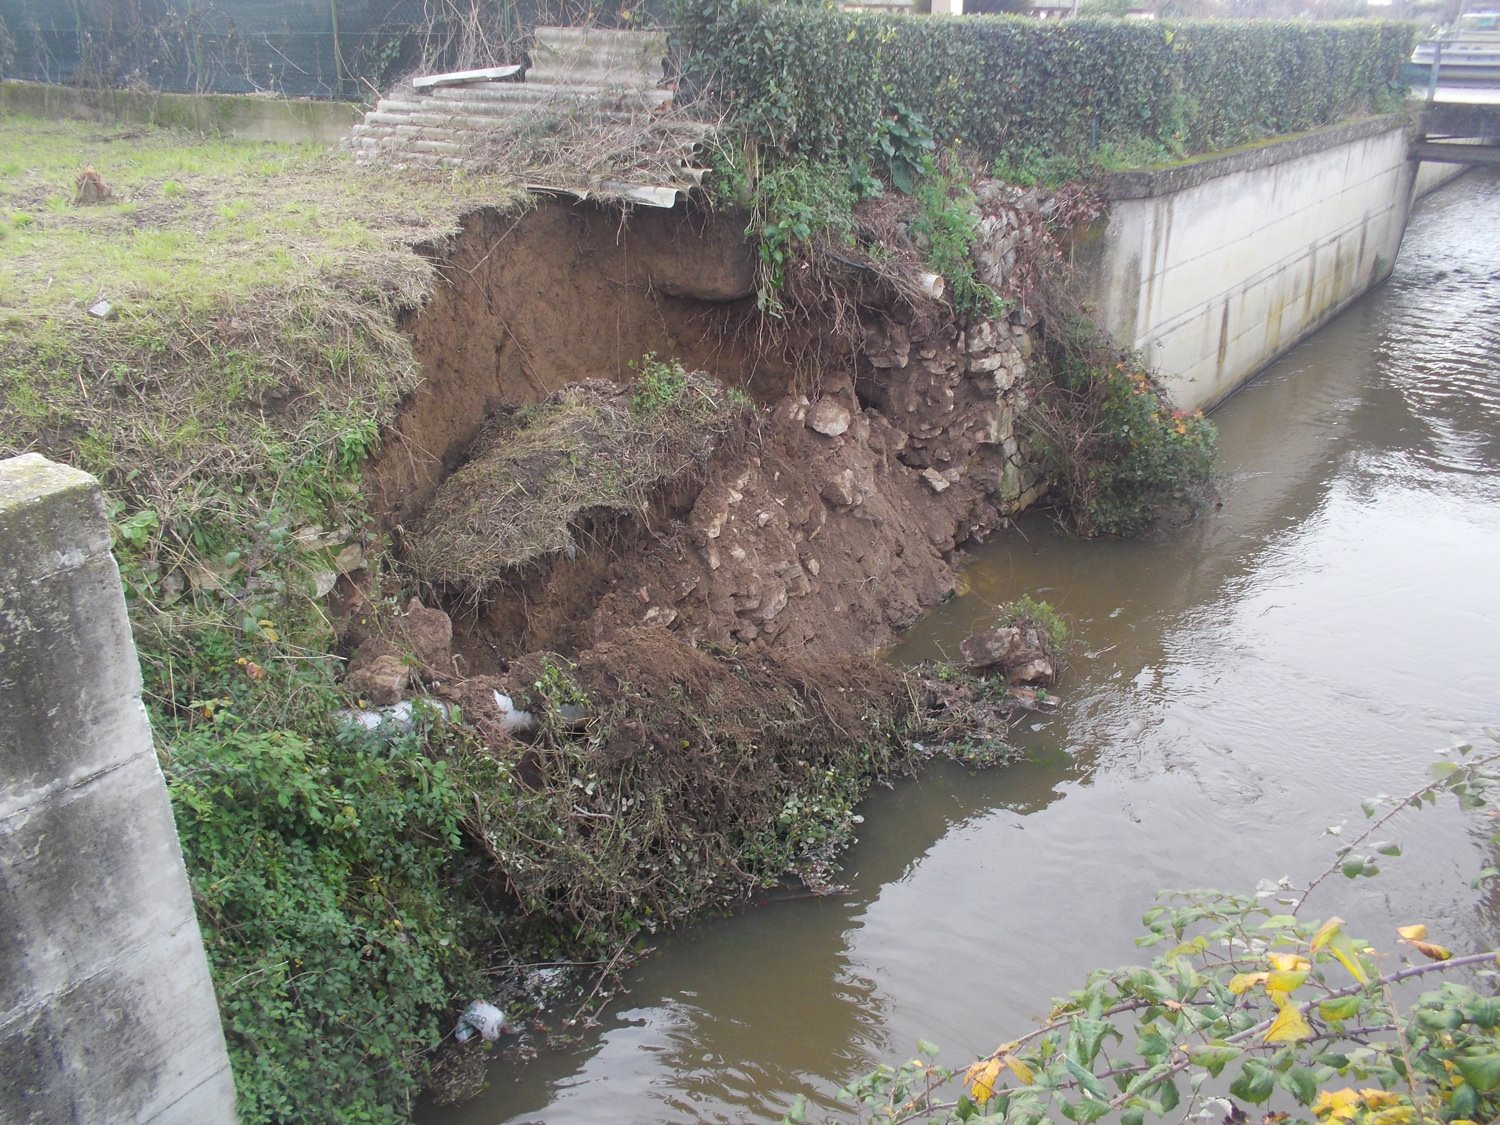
(1237, 687)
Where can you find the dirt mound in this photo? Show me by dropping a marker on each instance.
(664, 777)
(590, 447)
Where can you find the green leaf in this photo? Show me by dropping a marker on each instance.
(1340, 1008)
(1086, 1080)
(1213, 1057)
(1301, 1083)
(1133, 1117)
(1387, 847)
(1084, 1110)
(1481, 1072)
(928, 1049)
(1090, 1037)
(1153, 1046)
(1465, 1102)
(1255, 1084)
(1169, 1096)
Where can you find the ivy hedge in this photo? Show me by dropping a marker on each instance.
(816, 83)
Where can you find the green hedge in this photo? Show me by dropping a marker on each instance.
(815, 82)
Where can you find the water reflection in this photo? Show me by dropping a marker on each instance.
(1236, 687)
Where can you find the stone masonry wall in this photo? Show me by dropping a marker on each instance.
(107, 1010)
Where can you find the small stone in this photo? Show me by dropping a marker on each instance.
(813, 566)
(828, 417)
(935, 480)
(840, 491)
(659, 615)
(1038, 671)
(103, 310)
(990, 649)
(737, 553)
(381, 681)
(773, 603)
(428, 635)
(762, 519)
(350, 559)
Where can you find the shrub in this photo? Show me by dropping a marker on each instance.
(816, 82)
(1118, 454)
(322, 873)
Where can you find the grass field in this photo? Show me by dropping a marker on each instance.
(249, 360)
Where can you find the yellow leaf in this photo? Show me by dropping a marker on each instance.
(1336, 1105)
(1326, 933)
(1290, 962)
(1432, 952)
(1020, 1069)
(1343, 948)
(1288, 1026)
(1379, 1099)
(981, 1079)
(1241, 983)
(1280, 985)
(1412, 933)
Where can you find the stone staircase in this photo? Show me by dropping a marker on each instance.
(608, 83)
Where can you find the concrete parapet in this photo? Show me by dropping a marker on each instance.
(249, 117)
(107, 1010)
(1214, 268)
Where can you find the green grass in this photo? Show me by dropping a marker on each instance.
(252, 359)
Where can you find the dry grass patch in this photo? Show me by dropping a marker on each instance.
(252, 291)
(590, 447)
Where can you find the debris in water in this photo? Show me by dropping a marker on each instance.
(483, 1017)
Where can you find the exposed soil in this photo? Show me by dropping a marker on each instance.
(831, 525)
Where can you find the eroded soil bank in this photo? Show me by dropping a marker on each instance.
(826, 521)
(658, 538)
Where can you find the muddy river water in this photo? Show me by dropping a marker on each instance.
(1236, 687)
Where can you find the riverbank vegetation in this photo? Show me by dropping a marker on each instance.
(1247, 1002)
(215, 329)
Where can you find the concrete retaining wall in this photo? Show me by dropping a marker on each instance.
(1213, 268)
(107, 1011)
(247, 116)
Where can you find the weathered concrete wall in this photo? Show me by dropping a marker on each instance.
(1214, 268)
(107, 1011)
(1432, 176)
(247, 116)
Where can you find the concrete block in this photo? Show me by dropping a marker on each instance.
(86, 876)
(118, 1046)
(70, 684)
(51, 519)
(107, 1009)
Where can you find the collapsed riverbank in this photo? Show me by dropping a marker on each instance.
(280, 424)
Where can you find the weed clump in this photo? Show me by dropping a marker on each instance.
(1119, 456)
(1035, 613)
(590, 447)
